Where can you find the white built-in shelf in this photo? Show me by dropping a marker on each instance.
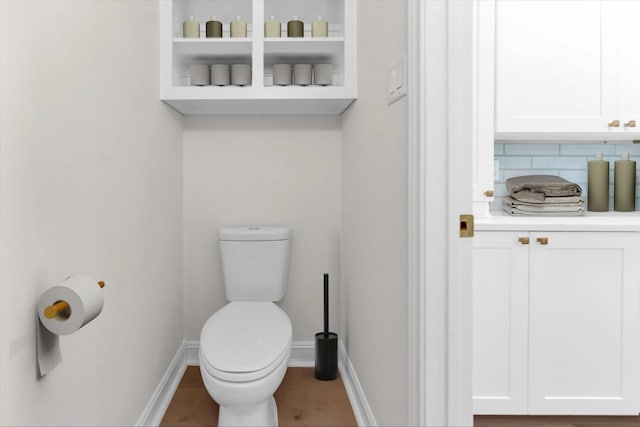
(261, 97)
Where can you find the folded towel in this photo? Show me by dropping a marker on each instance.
(566, 209)
(552, 203)
(559, 200)
(537, 188)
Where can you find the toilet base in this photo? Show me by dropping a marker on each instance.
(263, 414)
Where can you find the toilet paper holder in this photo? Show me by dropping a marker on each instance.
(59, 307)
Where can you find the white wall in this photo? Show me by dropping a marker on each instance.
(90, 183)
(263, 170)
(374, 217)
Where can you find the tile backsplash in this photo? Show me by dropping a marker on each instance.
(566, 160)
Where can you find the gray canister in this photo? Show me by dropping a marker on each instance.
(240, 74)
(302, 74)
(199, 74)
(220, 74)
(281, 74)
(323, 74)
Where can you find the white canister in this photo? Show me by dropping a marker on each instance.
(281, 74)
(199, 74)
(240, 74)
(319, 28)
(220, 74)
(323, 74)
(272, 28)
(302, 74)
(238, 27)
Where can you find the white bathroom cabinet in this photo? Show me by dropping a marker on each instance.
(261, 97)
(556, 323)
(567, 68)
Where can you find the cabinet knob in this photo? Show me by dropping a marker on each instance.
(630, 124)
(614, 124)
(488, 193)
(543, 240)
(523, 240)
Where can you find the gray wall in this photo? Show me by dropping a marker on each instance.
(267, 171)
(90, 183)
(374, 217)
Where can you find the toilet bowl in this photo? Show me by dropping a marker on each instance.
(244, 351)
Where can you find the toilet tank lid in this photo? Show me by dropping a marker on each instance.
(254, 233)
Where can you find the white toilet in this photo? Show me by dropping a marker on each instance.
(245, 346)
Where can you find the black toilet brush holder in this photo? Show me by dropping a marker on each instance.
(326, 344)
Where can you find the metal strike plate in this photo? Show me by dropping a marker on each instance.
(466, 225)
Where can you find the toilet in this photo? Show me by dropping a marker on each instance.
(245, 345)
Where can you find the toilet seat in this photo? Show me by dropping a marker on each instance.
(245, 341)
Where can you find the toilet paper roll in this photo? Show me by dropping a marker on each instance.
(85, 299)
(47, 348)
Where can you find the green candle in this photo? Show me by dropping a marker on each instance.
(624, 184)
(598, 186)
(295, 28)
(214, 28)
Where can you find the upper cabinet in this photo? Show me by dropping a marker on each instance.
(567, 68)
(257, 93)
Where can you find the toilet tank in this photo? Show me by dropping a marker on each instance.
(255, 262)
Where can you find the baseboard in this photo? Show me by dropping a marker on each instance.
(162, 395)
(361, 409)
(191, 349)
(302, 355)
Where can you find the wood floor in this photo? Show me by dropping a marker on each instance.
(554, 421)
(302, 401)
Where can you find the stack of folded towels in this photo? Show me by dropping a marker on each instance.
(543, 195)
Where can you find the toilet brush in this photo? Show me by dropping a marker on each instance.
(326, 344)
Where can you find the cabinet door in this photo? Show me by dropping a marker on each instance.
(483, 178)
(499, 323)
(553, 74)
(623, 16)
(584, 323)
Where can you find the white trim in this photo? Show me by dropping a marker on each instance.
(462, 121)
(162, 395)
(441, 125)
(416, 268)
(302, 354)
(359, 405)
(428, 222)
(191, 350)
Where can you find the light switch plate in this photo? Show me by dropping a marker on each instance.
(397, 86)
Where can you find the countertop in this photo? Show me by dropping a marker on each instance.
(591, 221)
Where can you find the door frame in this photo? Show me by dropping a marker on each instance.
(442, 125)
